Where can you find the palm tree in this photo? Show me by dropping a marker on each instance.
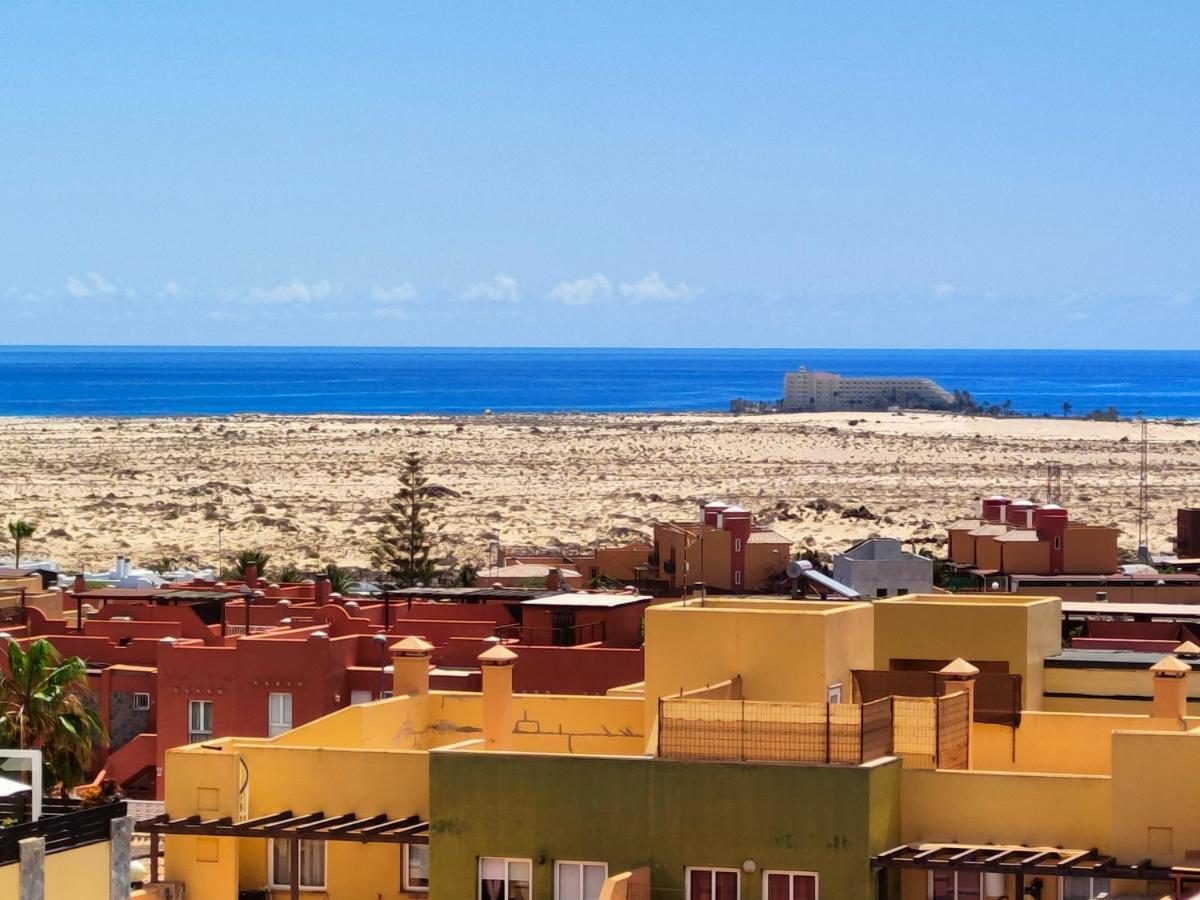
(19, 531)
(43, 706)
(1066, 408)
(287, 574)
(339, 579)
(246, 557)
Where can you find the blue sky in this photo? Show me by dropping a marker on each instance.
(892, 174)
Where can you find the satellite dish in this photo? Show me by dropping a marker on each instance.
(797, 567)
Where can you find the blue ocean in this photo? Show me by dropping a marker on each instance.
(125, 381)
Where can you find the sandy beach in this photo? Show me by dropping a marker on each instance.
(311, 489)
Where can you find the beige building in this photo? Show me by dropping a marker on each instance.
(823, 391)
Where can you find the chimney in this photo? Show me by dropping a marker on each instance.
(960, 676)
(321, 590)
(80, 584)
(410, 666)
(552, 580)
(497, 669)
(1170, 688)
(250, 574)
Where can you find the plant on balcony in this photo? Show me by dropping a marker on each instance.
(43, 706)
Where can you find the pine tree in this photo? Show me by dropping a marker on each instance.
(405, 543)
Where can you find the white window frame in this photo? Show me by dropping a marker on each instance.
(507, 860)
(197, 735)
(141, 700)
(929, 882)
(576, 862)
(737, 545)
(816, 877)
(286, 884)
(278, 725)
(713, 870)
(1092, 892)
(404, 885)
(357, 697)
(737, 577)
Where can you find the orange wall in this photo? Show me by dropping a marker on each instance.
(1026, 557)
(962, 547)
(1090, 551)
(987, 552)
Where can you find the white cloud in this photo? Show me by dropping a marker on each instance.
(653, 288)
(582, 291)
(91, 284)
(945, 289)
(390, 312)
(295, 291)
(501, 288)
(171, 289)
(400, 293)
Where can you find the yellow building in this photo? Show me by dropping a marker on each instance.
(743, 766)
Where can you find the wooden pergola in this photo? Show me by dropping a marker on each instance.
(286, 825)
(1020, 862)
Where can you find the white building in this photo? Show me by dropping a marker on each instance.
(880, 567)
(825, 391)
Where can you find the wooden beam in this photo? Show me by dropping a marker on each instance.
(359, 823)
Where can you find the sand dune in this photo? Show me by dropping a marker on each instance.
(312, 488)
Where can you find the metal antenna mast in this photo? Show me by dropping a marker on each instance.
(1143, 551)
(1053, 483)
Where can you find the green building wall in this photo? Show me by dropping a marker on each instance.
(665, 814)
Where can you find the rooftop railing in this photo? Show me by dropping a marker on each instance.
(63, 829)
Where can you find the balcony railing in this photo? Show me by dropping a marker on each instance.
(927, 732)
(63, 829)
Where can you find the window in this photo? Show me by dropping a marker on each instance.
(789, 886)
(900, 592)
(141, 701)
(955, 886)
(737, 577)
(737, 545)
(1083, 888)
(880, 592)
(504, 879)
(361, 697)
(579, 880)
(199, 721)
(416, 867)
(279, 714)
(312, 864)
(1057, 543)
(713, 884)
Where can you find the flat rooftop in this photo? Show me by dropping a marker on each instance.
(964, 600)
(573, 600)
(772, 605)
(1086, 658)
(1188, 611)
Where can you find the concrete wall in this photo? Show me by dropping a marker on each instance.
(661, 814)
(783, 649)
(1020, 631)
(910, 574)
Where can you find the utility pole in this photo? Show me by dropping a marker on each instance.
(1143, 551)
(1053, 483)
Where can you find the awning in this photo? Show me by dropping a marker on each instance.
(1016, 860)
(286, 825)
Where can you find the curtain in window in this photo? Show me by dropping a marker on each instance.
(593, 881)
(570, 882)
(417, 874)
(700, 885)
(970, 886)
(312, 864)
(518, 880)
(942, 886)
(281, 862)
(778, 887)
(804, 887)
(727, 886)
(491, 879)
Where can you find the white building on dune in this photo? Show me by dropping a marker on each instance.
(824, 392)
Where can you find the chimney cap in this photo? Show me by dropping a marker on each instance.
(1187, 648)
(319, 636)
(411, 646)
(960, 668)
(1170, 667)
(497, 656)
